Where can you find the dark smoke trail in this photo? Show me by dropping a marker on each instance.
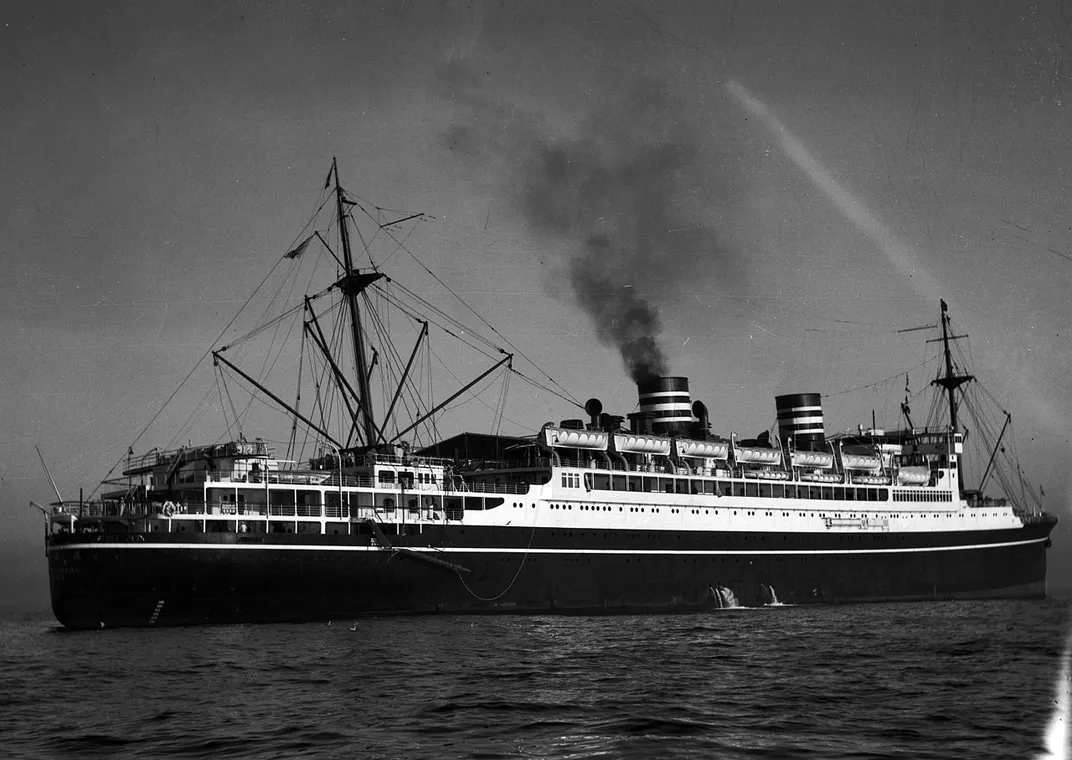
(621, 191)
(622, 318)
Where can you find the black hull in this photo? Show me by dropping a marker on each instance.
(135, 580)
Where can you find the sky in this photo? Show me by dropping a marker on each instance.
(773, 189)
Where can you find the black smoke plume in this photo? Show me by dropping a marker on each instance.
(622, 318)
(624, 188)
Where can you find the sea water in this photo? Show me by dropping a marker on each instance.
(934, 680)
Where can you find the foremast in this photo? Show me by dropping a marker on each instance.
(352, 283)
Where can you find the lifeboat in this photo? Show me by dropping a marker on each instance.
(635, 443)
(913, 476)
(820, 477)
(594, 440)
(749, 455)
(767, 475)
(870, 480)
(813, 459)
(705, 449)
(860, 462)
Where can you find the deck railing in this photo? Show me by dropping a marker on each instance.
(194, 510)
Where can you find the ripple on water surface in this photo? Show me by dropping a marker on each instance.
(939, 680)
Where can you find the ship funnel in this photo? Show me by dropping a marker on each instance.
(800, 418)
(667, 401)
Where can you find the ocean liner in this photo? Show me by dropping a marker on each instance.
(367, 509)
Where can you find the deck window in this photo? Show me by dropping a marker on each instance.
(331, 504)
(308, 503)
(359, 500)
(251, 501)
(281, 502)
(221, 501)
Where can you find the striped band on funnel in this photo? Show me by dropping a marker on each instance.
(800, 417)
(667, 402)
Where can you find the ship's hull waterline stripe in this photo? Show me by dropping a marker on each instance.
(522, 550)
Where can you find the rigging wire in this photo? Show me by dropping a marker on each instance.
(190, 373)
(880, 382)
(268, 364)
(223, 381)
(394, 367)
(502, 337)
(401, 245)
(500, 410)
(828, 318)
(475, 394)
(223, 407)
(297, 399)
(299, 453)
(465, 337)
(542, 387)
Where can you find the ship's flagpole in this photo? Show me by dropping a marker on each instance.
(50, 479)
(44, 511)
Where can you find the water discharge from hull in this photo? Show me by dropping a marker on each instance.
(716, 599)
(770, 596)
(722, 597)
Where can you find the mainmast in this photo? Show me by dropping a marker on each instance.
(950, 381)
(351, 284)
